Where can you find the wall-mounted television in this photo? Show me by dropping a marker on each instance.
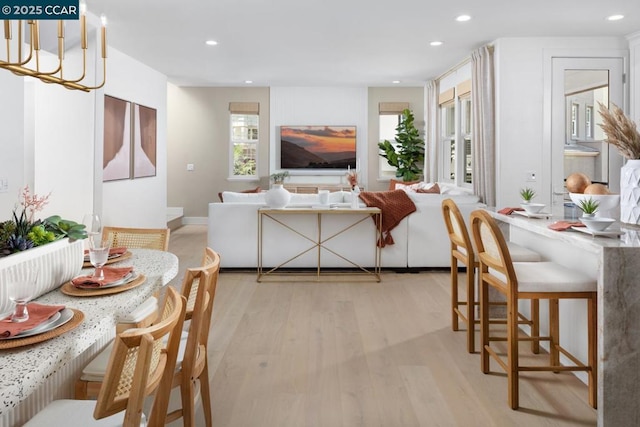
(317, 147)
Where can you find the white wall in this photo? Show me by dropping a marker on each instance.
(139, 202)
(318, 106)
(521, 77)
(634, 77)
(52, 140)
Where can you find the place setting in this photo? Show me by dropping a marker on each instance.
(104, 280)
(32, 322)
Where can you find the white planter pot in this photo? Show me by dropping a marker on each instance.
(56, 262)
(630, 192)
(277, 197)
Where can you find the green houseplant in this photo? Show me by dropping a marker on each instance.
(408, 157)
(279, 177)
(527, 194)
(589, 206)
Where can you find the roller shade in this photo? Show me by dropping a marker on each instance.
(392, 107)
(244, 107)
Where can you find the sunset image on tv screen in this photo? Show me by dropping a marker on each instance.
(317, 147)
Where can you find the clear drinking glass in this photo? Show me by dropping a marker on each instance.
(98, 254)
(21, 287)
(92, 224)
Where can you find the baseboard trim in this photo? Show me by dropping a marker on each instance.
(195, 220)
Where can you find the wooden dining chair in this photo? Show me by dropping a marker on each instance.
(137, 365)
(141, 238)
(463, 253)
(533, 281)
(199, 288)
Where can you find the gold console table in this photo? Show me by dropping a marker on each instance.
(318, 241)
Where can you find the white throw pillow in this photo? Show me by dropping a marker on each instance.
(415, 186)
(304, 199)
(452, 189)
(233, 197)
(337, 196)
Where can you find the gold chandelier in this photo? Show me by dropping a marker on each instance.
(19, 64)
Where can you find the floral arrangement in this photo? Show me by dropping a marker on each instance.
(24, 232)
(352, 178)
(621, 131)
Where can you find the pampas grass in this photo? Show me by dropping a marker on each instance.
(621, 131)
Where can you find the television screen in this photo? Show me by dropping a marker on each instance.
(317, 147)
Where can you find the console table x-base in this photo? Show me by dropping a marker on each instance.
(318, 242)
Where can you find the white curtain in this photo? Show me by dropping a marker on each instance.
(431, 132)
(483, 122)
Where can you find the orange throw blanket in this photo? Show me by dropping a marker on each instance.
(395, 205)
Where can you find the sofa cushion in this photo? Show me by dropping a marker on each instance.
(393, 184)
(233, 197)
(420, 187)
(430, 199)
(252, 190)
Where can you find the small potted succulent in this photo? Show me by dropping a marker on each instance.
(527, 194)
(589, 207)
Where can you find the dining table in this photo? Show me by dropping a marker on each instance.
(33, 375)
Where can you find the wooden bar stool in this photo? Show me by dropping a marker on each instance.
(462, 252)
(533, 281)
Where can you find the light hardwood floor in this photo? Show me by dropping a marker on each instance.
(359, 354)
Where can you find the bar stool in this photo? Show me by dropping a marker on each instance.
(534, 281)
(462, 251)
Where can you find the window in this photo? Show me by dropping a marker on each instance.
(574, 121)
(243, 152)
(448, 126)
(388, 124)
(588, 121)
(389, 117)
(456, 135)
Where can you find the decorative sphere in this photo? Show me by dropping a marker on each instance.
(577, 182)
(596, 189)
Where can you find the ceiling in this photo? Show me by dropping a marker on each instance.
(337, 42)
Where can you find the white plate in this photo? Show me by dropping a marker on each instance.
(126, 279)
(607, 233)
(64, 316)
(533, 215)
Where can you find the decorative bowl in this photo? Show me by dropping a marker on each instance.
(532, 208)
(606, 202)
(596, 223)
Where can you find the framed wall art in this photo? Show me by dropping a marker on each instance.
(116, 162)
(144, 141)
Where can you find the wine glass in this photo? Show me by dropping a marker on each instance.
(92, 224)
(98, 254)
(21, 287)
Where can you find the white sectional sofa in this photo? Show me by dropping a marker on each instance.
(420, 239)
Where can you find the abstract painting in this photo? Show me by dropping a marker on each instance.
(116, 162)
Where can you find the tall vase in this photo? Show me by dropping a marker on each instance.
(277, 197)
(630, 192)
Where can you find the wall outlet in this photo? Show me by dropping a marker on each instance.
(191, 167)
(4, 185)
(531, 176)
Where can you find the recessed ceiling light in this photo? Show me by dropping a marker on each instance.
(395, 82)
(463, 18)
(211, 42)
(436, 43)
(615, 17)
(248, 81)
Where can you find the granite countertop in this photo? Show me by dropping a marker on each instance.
(26, 368)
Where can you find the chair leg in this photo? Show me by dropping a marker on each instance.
(484, 326)
(592, 342)
(512, 351)
(205, 394)
(454, 294)
(188, 407)
(471, 307)
(554, 333)
(535, 325)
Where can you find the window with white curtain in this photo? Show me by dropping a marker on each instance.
(456, 135)
(243, 147)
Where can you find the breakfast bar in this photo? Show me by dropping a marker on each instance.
(35, 374)
(615, 262)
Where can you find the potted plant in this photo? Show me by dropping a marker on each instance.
(408, 157)
(278, 197)
(527, 194)
(589, 207)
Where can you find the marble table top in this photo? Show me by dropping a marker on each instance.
(25, 369)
